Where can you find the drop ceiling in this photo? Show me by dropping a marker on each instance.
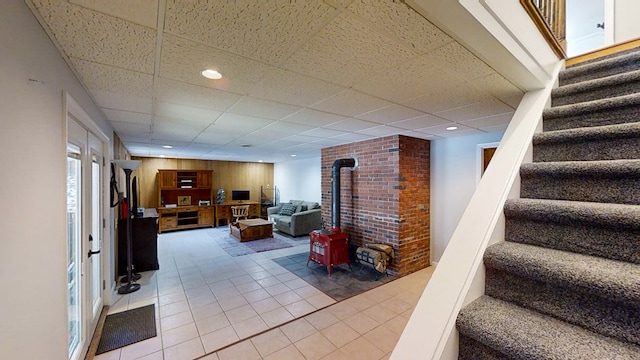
(297, 75)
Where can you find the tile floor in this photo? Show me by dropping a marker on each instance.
(207, 300)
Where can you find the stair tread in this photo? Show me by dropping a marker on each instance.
(524, 334)
(620, 216)
(616, 280)
(591, 67)
(589, 85)
(588, 133)
(592, 106)
(595, 168)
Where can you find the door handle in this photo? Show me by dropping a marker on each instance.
(93, 253)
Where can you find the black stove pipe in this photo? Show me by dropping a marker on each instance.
(335, 189)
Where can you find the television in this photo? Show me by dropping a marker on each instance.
(240, 195)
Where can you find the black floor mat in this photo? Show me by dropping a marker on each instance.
(342, 284)
(127, 327)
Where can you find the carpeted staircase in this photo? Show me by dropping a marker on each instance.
(566, 282)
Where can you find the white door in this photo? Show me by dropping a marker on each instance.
(86, 232)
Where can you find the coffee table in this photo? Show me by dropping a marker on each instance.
(251, 229)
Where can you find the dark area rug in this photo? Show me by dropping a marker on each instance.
(127, 327)
(342, 284)
(235, 248)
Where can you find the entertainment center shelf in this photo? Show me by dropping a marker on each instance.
(185, 198)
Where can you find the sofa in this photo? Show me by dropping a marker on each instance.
(296, 217)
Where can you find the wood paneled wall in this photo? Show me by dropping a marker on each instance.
(227, 175)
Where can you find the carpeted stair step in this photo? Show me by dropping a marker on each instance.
(621, 141)
(614, 85)
(601, 295)
(616, 110)
(507, 331)
(617, 64)
(607, 230)
(609, 181)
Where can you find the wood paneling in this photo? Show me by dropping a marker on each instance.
(227, 175)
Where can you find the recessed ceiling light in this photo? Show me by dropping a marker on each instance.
(211, 74)
(260, 161)
(451, 128)
(293, 155)
(161, 155)
(167, 146)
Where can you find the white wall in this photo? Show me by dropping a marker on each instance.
(582, 33)
(626, 20)
(454, 165)
(298, 179)
(33, 308)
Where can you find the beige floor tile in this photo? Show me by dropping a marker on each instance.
(174, 308)
(171, 298)
(307, 291)
(288, 353)
(339, 334)
(270, 342)
(277, 289)
(141, 348)
(397, 324)
(256, 295)
(212, 323)
(250, 327)
(361, 323)
(397, 305)
(242, 279)
(300, 308)
(231, 303)
(361, 349)
(202, 300)
(320, 301)
(219, 338)
(287, 298)
(177, 320)
(336, 355)
(226, 293)
(197, 292)
(343, 310)
(187, 350)
(297, 330)
(158, 355)
(286, 276)
(244, 350)
(296, 283)
(386, 356)
(111, 355)
(180, 334)
(240, 313)
(277, 317)
(206, 311)
(315, 346)
(248, 287)
(383, 338)
(361, 303)
(265, 305)
(322, 319)
(380, 313)
(213, 356)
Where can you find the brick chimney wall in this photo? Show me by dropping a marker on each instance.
(386, 199)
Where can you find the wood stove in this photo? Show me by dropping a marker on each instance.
(331, 247)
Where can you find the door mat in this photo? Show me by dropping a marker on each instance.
(235, 248)
(127, 327)
(342, 284)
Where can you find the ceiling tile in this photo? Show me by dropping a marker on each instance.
(496, 85)
(446, 98)
(131, 129)
(124, 102)
(143, 12)
(323, 133)
(267, 31)
(292, 88)
(441, 130)
(257, 138)
(489, 121)
(483, 108)
(100, 77)
(285, 128)
(459, 133)
(350, 103)
(351, 125)
(419, 135)
(313, 118)
(412, 79)
(382, 130)
(460, 60)
(420, 122)
(345, 52)
(390, 114)
(197, 96)
(353, 137)
(93, 36)
(266, 108)
(184, 60)
(402, 22)
(185, 113)
(239, 124)
(127, 116)
(170, 129)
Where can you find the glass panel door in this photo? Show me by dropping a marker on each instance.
(74, 230)
(95, 238)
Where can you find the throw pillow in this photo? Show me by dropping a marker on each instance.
(287, 209)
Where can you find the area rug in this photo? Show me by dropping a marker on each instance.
(235, 248)
(127, 327)
(342, 284)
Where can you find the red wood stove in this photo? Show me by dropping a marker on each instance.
(329, 248)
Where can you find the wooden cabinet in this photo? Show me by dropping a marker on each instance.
(167, 179)
(180, 193)
(205, 216)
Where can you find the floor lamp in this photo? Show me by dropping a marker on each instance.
(128, 166)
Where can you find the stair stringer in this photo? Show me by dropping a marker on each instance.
(459, 276)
